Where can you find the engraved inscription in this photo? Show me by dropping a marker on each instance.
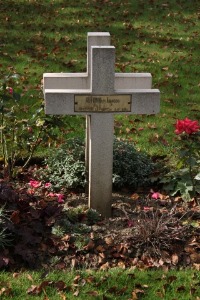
(102, 103)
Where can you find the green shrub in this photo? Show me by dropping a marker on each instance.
(130, 167)
(65, 166)
(21, 136)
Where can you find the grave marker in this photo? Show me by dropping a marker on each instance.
(99, 94)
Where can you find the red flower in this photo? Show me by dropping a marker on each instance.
(188, 126)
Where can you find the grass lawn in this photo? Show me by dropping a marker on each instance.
(114, 284)
(150, 36)
(160, 37)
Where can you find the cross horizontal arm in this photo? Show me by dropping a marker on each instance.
(81, 81)
(133, 81)
(61, 102)
(65, 81)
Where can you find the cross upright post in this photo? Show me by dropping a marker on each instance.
(101, 127)
(99, 94)
(93, 39)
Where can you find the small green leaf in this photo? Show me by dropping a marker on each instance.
(40, 122)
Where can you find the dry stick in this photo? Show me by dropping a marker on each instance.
(33, 149)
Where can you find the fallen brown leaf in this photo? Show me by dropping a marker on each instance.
(135, 196)
(195, 258)
(89, 246)
(76, 293)
(109, 240)
(105, 266)
(60, 285)
(15, 217)
(197, 267)
(76, 279)
(175, 259)
(181, 288)
(29, 277)
(15, 275)
(93, 293)
(7, 291)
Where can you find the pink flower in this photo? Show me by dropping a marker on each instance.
(34, 183)
(51, 195)
(10, 90)
(187, 126)
(47, 185)
(60, 198)
(155, 196)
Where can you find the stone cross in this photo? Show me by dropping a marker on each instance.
(99, 94)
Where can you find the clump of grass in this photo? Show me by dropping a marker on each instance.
(155, 231)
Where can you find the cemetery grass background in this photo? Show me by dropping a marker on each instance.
(156, 37)
(160, 37)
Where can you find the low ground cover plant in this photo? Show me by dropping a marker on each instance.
(65, 166)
